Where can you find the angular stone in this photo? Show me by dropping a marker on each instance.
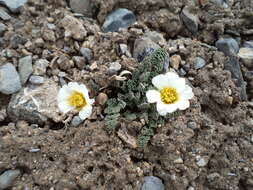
(82, 6)
(114, 67)
(199, 63)
(25, 68)
(120, 18)
(228, 46)
(246, 55)
(4, 15)
(35, 104)
(87, 54)
(79, 61)
(40, 67)
(233, 66)
(248, 44)
(144, 47)
(13, 5)
(8, 177)
(76, 121)
(9, 79)
(34, 79)
(73, 28)
(190, 20)
(152, 183)
(16, 40)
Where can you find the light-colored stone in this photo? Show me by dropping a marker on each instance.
(36, 104)
(34, 79)
(73, 28)
(102, 98)
(82, 6)
(40, 67)
(25, 68)
(126, 137)
(13, 5)
(7, 178)
(120, 18)
(9, 79)
(114, 67)
(178, 161)
(175, 61)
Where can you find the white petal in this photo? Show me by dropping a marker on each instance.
(74, 86)
(177, 83)
(64, 93)
(163, 109)
(187, 93)
(64, 107)
(85, 112)
(153, 96)
(183, 104)
(172, 75)
(160, 81)
(91, 101)
(83, 89)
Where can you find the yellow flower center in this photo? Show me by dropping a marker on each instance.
(77, 100)
(169, 95)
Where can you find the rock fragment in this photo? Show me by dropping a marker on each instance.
(13, 5)
(152, 183)
(9, 79)
(120, 18)
(7, 178)
(190, 20)
(35, 104)
(228, 46)
(25, 68)
(82, 6)
(144, 47)
(73, 28)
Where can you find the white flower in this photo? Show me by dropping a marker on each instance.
(172, 93)
(75, 96)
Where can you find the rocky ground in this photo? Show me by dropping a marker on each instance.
(45, 44)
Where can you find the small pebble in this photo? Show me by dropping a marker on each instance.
(152, 183)
(102, 98)
(179, 161)
(199, 63)
(175, 61)
(76, 121)
(114, 67)
(34, 79)
(202, 162)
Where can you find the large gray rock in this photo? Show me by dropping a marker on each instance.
(25, 68)
(35, 104)
(228, 46)
(234, 67)
(2, 29)
(144, 47)
(190, 20)
(121, 18)
(152, 183)
(9, 79)
(82, 6)
(13, 5)
(4, 15)
(8, 178)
